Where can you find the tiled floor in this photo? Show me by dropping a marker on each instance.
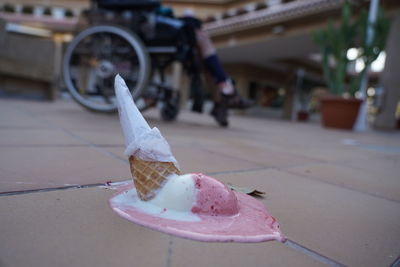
(334, 193)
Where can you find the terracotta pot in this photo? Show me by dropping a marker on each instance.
(302, 116)
(338, 112)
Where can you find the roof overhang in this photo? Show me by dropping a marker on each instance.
(274, 15)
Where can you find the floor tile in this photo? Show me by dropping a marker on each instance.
(190, 253)
(382, 181)
(350, 227)
(74, 227)
(36, 137)
(261, 155)
(14, 118)
(334, 192)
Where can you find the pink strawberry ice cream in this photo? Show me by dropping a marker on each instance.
(213, 197)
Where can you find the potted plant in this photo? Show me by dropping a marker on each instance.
(340, 108)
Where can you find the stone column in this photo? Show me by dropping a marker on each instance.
(242, 85)
(289, 101)
(390, 79)
(57, 69)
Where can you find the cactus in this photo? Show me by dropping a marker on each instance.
(335, 41)
(370, 53)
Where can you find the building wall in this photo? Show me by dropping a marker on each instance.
(202, 9)
(79, 4)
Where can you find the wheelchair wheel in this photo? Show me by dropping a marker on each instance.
(95, 56)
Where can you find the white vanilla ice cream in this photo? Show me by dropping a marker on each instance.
(178, 193)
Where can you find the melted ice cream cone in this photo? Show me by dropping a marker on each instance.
(150, 157)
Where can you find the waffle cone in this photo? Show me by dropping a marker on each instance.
(149, 176)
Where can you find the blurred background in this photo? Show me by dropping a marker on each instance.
(267, 47)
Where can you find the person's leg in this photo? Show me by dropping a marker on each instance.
(228, 97)
(215, 68)
(212, 63)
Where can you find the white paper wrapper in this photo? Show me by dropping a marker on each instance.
(140, 140)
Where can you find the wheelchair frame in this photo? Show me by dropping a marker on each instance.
(154, 53)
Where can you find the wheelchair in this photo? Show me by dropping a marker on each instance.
(133, 39)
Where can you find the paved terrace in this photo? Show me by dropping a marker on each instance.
(334, 193)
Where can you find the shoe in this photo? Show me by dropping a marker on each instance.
(230, 96)
(237, 102)
(220, 114)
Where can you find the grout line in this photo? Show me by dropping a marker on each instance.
(396, 263)
(311, 253)
(169, 251)
(230, 156)
(2, 127)
(238, 171)
(104, 184)
(43, 145)
(110, 145)
(96, 147)
(344, 164)
(337, 185)
(22, 192)
(310, 159)
(81, 139)
(304, 177)
(56, 145)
